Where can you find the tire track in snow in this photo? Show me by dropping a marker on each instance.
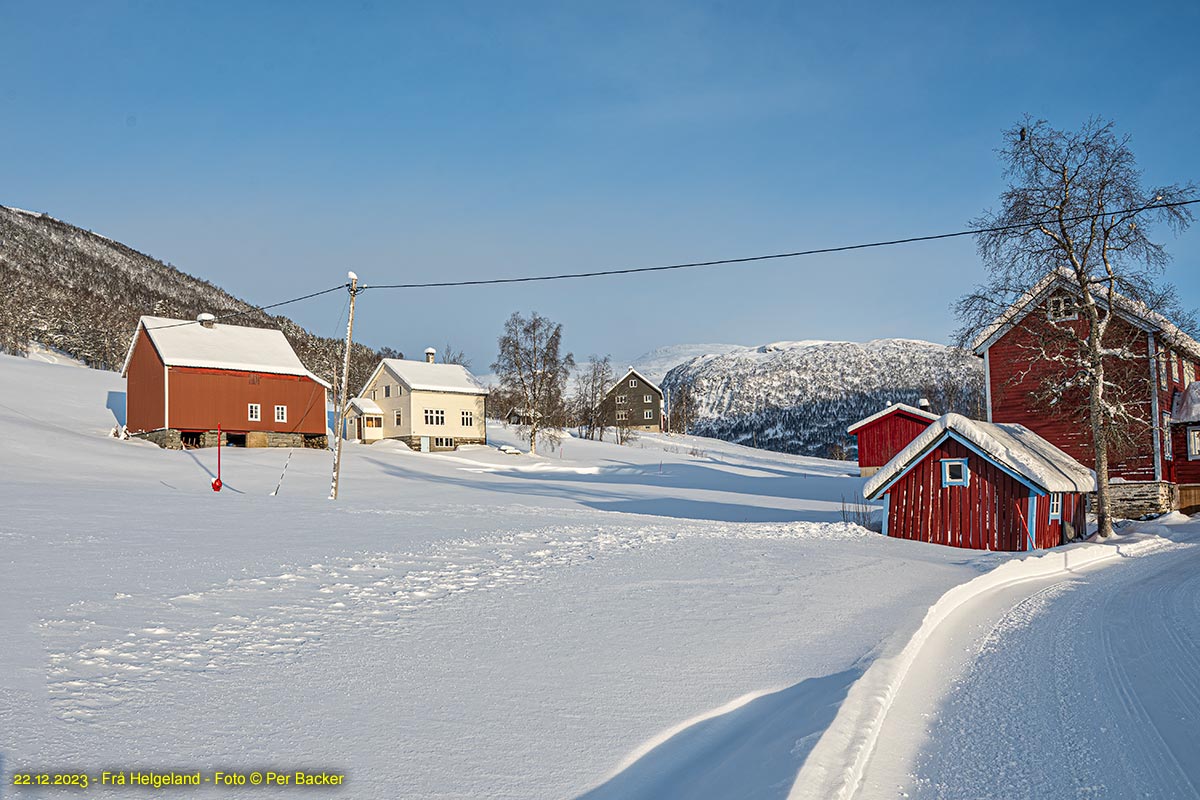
(101, 654)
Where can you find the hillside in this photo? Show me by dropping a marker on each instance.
(799, 397)
(82, 293)
(658, 362)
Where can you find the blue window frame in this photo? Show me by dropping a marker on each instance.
(955, 472)
(1056, 506)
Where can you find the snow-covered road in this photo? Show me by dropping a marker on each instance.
(1083, 686)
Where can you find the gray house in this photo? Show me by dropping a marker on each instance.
(634, 402)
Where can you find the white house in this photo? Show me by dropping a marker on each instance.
(426, 405)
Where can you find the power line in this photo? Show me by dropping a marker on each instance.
(252, 309)
(747, 259)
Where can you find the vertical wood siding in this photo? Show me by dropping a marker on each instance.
(886, 436)
(200, 398)
(144, 404)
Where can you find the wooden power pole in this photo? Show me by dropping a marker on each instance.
(343, 400)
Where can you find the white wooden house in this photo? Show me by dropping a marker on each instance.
(426, 405)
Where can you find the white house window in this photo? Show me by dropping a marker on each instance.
(648, 414)
(622, 415)
(1056, 506)
(254, 412)
(281, 413)
(1162, 369)
(372, 422)
(1168, 454)
(387, 390)
(372, 394)
(622, 399)
(443, 441)
(468, 419)
(633, 382)
(1061, 308)
(1193, 442)
(1174, 367)
(955, 472)
(399, 417)
(435, 416)
(646, 398)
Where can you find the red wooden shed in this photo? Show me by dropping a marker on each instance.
(882, 435)
(1183, 451)
(184, 377)
(984, 486)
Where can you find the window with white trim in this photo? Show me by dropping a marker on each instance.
(1162, 369)
(622, 415)
(399, 417)
(373, 422)
(468, 419)
(955, 472)
(1061, 308)
(281, 413)
(647, 398)
(254, 412)
(1193, 443)
(1174, 357)
(435, 416)
(632, 382)
(648, 414)
(1056, 505)
(387, 390)
(1168, 453)
(622, 399)
(443, 441)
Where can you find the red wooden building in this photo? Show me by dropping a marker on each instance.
(184, 377)
(1164, 361)
(882, 435)
(983, 486)
(1185, 447)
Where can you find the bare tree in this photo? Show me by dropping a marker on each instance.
(533, 370)
(591, 386)
(1076, 207)
(683, 409)
(452, 356)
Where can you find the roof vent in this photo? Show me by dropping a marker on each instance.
(923, 404)
(430, 355)
(206, 320)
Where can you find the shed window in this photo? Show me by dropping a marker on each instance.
(1193, 441)
(468, 419)
(1056, 506)
(435, 416)
(1061, 308)
(281, 413)
(1168, 453)
(955, 472)
(254, 412)
(399, 417)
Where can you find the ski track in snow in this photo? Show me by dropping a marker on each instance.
(1102, 670)
(94, 665)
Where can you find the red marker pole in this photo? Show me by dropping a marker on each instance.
(216, 484)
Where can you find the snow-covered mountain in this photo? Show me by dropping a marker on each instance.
(799, 397)
(658, 362)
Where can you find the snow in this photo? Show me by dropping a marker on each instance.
(1013, 446)
(365, 405)
(658, 362)
(893, 407)
(187, 343)
(423, 376)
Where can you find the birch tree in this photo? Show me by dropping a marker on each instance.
(532, 368)
(1077, 205)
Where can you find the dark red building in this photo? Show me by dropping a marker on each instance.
(184, 377)
(1163, 360)
(882, 435)
(1185, 447)
(982, 486)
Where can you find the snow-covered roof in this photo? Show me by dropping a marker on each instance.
(1063, 279)
(365, 405)
(1187, 404)
(422, 376)
(187, 343)
(917, 412)
(644, 379)
(1014, 447)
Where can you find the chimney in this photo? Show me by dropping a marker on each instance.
(206, 320)
(923, 404)
(430, 354)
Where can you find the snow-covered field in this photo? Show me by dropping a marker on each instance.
(678, 618)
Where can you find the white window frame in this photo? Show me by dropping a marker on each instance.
(387, 390)
(443, 441)
(622, 415)
(1055, 505)
(1175, 374)
(254, 412)
(1057, 308)
(281, 413)
(632, 382)
(1193, 443)
(622, 399)
(648, 414)
(1168, 451)
(964, 480)
(647, 398)
(398, 417)
(435, 416)
(468, 419)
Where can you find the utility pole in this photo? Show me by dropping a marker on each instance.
(343, 400)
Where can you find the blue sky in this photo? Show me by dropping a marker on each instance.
(269, 147)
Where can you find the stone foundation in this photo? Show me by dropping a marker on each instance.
(414, 442)
(1131, 500)
(166, 438)
(171, 439)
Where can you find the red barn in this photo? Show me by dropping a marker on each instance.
(983, 486)
(882, 435)
(1185, 447)
(1162, 361)
(184, 377)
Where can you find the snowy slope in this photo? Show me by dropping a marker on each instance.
(461, 625)
(800, 397)
(658, 362)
